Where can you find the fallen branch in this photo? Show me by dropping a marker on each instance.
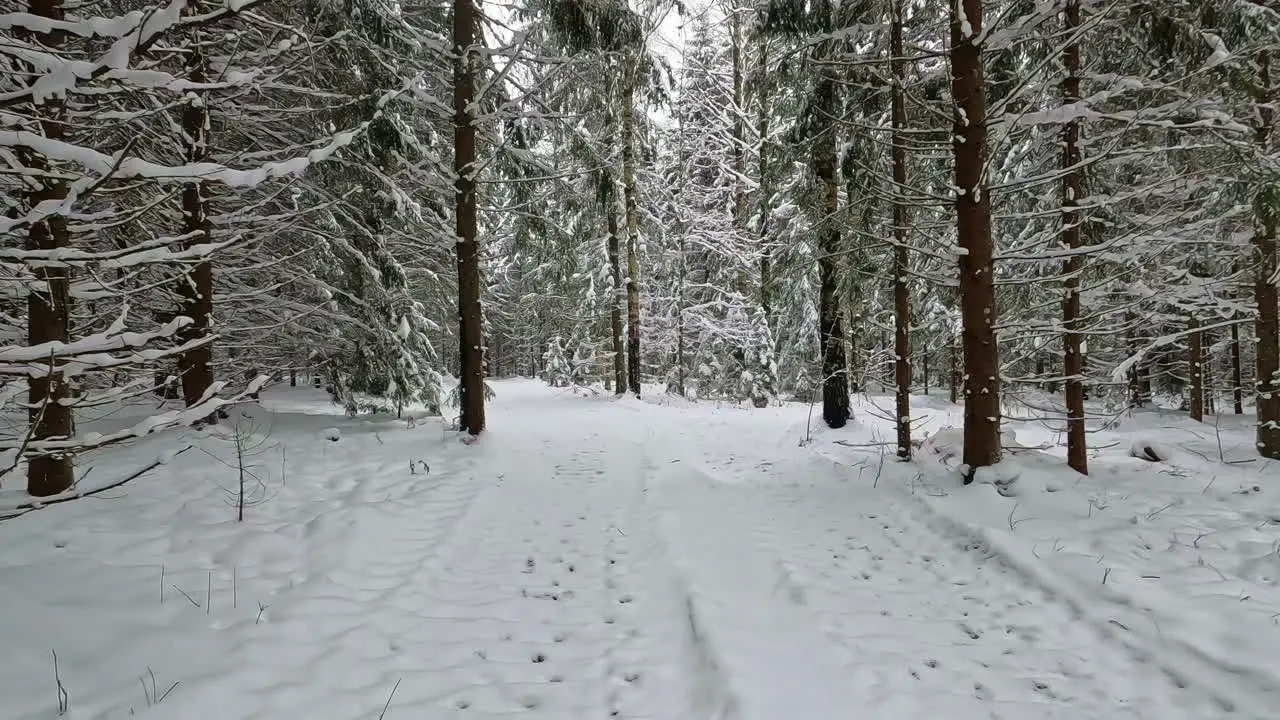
(39, 503)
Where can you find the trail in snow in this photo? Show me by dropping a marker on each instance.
(911, 625)
(594, 558)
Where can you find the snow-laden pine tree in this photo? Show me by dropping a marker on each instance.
(556, 367)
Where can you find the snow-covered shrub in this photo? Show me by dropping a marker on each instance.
(556, 369)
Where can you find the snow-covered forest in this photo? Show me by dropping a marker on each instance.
(1029, 203)
(928, 231)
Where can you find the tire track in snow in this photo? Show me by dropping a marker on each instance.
(930, 629)
(1236, 691)
(764, 655)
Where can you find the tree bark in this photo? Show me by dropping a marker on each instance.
(633, 235)
(762, 131)
(1136, 398)
(1072, 191)
(953, 358)
(901, 293)
(470, 325)
(835, 377)
(1267, 325)
(49, 299)
(739, 129)
(614, 252)
(1195, 368)
(195, 366)
(1237, 383)
(973, 229)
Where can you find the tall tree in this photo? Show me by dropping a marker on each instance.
(1267, 324)
(628, 102)
(1072, 192)
(49, 301)
(973, 230)
(470, 320)
(196, 287)
(901, 260)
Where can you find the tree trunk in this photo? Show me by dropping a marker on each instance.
(762, 130)
(953, 375)
(1072, 191)
(901, 294)
(973, 229)
(195, 366)
(679, 386)
(1237, 382)
(470, 325)
(739, 131)
(835, 378)
(1267, 325)
(1195, 369)
(633, 236)
(49, 299)
(619, 293)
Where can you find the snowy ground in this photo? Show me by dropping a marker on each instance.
(595, 558)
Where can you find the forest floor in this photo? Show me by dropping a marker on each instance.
(596, 558)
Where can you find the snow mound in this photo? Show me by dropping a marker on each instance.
(1151, 450)
(1002, 476)
(331, 434)
(944, 446)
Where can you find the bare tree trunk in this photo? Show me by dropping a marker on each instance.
(1237, 383)
(1195, 368)
(901, 294)
(835, 378)
(49, 299)
(679, 385)
(739, 131)
(196, 288)
(470, 325)
(762, 130)
(1072, 191)
(953, 357)
(616, 298)
(1267, 325)
(973, 228)
(633, 235)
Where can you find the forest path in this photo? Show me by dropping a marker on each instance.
(589, 558)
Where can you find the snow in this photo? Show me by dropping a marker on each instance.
(646, 558)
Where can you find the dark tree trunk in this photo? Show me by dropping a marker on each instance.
(470, 325)
(1136, 398)
(901, 294)
(195, 366)
(953, 374)
(633, 236)
(49, 300)
(1267, 325)
(835, 379)
(973, 228)
(679, 380)
(739, 131)
(1237, 383)
(1072, 191)
(762, 131)
(1195, 368)
(617, 297)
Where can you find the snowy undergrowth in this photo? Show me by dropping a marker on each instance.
(156, 583)
(1181, 558)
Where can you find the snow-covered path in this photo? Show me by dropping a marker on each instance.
(593, 558)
